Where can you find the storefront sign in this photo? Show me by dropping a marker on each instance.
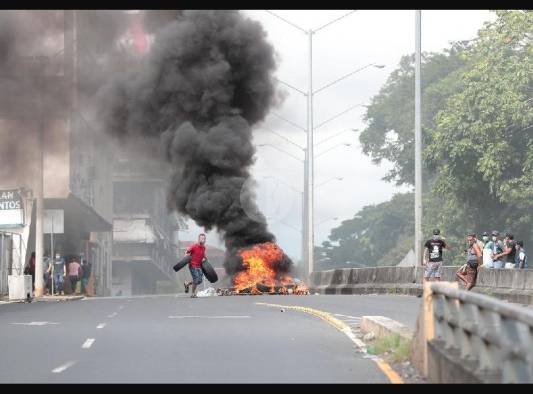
(11, 209)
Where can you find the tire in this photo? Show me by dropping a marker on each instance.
(209, 272)
(182, 263)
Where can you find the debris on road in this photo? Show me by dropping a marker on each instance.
(209, 292)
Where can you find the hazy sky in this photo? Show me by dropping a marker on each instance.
(364, 37)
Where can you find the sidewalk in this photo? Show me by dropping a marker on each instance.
(46, 298)
(58, 298)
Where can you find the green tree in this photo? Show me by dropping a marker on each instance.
(370, 235)
(390, 116)
(481, 147)
(477, 137)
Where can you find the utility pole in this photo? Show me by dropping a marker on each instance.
(418, 144)
(308, 206)
(304, 220)
(309, 167)
(39, 202)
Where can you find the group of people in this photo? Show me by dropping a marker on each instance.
(56, 270)
(488, 252)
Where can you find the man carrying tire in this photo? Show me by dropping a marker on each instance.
(197, 253)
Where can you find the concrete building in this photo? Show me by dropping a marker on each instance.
(42, 113)
(114, 202)
(143, 229)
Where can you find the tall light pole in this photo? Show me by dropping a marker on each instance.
(418, 144)
(39, 68)
(309, 233)
(308, 222)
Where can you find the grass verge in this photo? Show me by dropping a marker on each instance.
(393, 347)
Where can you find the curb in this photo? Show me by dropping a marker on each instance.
(345, 329)
(61, 298)
(382, 326)
(12, 302)
(43, 299)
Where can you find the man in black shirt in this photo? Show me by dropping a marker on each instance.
(433, 249)
(86, 267)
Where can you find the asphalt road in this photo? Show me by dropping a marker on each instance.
(169, 339)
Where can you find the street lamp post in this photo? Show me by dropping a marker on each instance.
(308, 222)
(418, 144)
(302, 199)
(39, 198)
(308, 183)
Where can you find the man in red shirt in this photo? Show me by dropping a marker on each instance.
(197, 253)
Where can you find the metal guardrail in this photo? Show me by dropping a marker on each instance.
(494, 337)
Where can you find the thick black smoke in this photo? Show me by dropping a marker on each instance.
(207, 81)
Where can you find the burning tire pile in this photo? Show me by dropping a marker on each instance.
(291, 289)
(263, 272)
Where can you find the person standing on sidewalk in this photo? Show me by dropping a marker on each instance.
(433, 249)
(30, 269)
(473, 262)
(59, 272)
(74, 274)
(197, 253)
(47, 273)
(86, 268)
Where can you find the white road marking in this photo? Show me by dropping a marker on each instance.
(112, 315)
(88, 343)
(101, 325)
(61, 368)
(121, 307)
(36, 323)
(351, 317)
(360, 344)
(209, 317)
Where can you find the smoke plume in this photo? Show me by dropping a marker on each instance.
(206, 82)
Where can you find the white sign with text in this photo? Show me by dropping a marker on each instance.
(53, 221)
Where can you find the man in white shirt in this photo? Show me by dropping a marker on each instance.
(521, 256)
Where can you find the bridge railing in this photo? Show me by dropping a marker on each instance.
(493, 337)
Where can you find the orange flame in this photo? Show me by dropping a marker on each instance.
(260, 269)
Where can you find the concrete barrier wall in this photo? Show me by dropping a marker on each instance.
(512, 284)
(354, 276)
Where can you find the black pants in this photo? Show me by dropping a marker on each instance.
(73, 282)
